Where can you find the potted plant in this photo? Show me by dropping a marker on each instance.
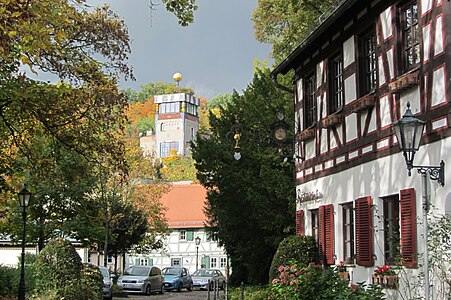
(386, 276)
(341, 270)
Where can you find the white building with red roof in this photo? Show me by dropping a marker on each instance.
(185, 204)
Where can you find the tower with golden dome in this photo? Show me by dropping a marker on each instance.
(176, 121)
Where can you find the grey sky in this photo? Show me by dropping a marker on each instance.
(215, 54)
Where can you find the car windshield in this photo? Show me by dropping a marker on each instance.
(104, 272)
(204, 273)
(137, 271)
(171, 271)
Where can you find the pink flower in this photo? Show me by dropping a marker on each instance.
(293, 268)
(292, 275)
(281, 268)
(274, 281)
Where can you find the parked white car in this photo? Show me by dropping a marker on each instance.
(141, 279)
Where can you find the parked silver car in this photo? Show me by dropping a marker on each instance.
(141, 279)
(107, 290)
(208, 279)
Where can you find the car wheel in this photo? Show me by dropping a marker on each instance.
(162, 289)
(148, 289)
(180, 287)
(190, 287)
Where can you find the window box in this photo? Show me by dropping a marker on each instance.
(306, 134)
(362, 103)
(390, 281)
(404, 82)
(331, 120)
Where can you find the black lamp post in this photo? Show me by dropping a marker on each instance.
(197, 241)
(24, 200)
(408, 131)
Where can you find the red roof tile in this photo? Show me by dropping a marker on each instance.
(185, 206)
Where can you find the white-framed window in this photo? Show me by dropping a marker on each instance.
(143, 261)
(183, 235)
(223, 262)
(165, 148)
(213, 262)
(109, 260)
(176, 262)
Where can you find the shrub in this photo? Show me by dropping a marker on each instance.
(312, 282)
(9, 281)
(92, 281)
(299, 248)
(10, 277)
(250, 293)
(60, 274)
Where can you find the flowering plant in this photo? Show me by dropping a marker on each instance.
(340, 267)
(384, 270)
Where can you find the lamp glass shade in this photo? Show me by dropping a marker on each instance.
(24, 197)
(197, 241)
(408, 131)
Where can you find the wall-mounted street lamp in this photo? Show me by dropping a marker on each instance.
(235, 133)
(408, 131)
(280, 131)
(197, 241)
(24, 201)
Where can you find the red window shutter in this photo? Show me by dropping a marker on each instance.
(326, 231)
(364, 231)
(321, 239)
(408, 227)
(300, 222)
(329, 234)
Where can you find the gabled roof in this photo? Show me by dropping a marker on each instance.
(185, 205)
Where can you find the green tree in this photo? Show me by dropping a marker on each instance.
(284, 24)
(58, 178)
(251, 202)
(221, 100)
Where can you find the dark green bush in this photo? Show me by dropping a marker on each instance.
(10, 277)
(92, 281)
(9, 281)
(58, 265)
(298, 248)
(60, 274)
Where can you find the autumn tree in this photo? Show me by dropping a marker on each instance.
(82, 113)
(177, 168)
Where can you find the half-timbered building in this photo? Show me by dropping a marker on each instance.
(353, 77)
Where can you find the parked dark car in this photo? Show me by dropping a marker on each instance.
(141, 279)
(206, 279)
(107, 290)
(177, 278)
